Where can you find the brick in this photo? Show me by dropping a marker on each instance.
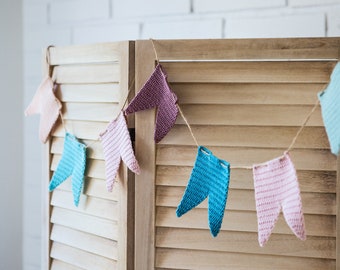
(41, 37)
(333, 22)
(79, 10)
(105, 33)
(209, 28)
(32, 65)
(306, 3)
(228, 5)
(133, 8)
(302, 25)
(35, 14)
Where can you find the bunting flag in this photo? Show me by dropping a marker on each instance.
(209, 178)
(117, 145)
(157, 93)
(72, 163)
(330, 108)
(276, 186)
(47, 105)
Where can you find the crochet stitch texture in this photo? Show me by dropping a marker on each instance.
(117, 145)
(157, 93)
(47, 105)
(209, 178)
(72, 163)
(330, 108)
(276, 186)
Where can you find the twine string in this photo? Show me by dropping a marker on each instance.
(155, 51)
(188, 125)
(302, 126)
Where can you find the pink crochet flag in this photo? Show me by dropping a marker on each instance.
(157, 93)
(276, 186)
(117, 145)
(47, 105)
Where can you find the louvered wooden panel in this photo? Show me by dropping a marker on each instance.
(245, 100)
(93, 82)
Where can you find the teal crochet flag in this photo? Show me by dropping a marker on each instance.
(72, 163)
(209, 178)
(330, 108)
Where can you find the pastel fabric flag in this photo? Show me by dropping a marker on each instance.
(47, 105)
(117, 146)
(72, 163)
(276, 187)
(157, 93)
(330, 109)
(209, 178)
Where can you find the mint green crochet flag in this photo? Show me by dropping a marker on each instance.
(330, 108)
(209, 178)
(72, 163)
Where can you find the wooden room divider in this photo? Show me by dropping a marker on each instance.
(245, 100)
(93, 82)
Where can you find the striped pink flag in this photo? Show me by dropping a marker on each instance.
(117, 146)
(276, 187)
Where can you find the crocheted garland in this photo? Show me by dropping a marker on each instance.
(209, 178)
(72, 163)
(330, 108)
(47, 105)
(157, 93)
(117, 145)
(276, 187)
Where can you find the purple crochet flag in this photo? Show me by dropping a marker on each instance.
(157, 93)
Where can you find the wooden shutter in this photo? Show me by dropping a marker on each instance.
(245, 100)
(93, 83)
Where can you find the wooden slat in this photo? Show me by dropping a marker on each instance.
(84, 241)
(249, 72)
(85, 223)
(189, 259)
(88, 205)
(250, 115)
(235, 49)
(89, 73)
(108, 92)
(94, 150)
(96, 53)
(94, 168)
(59, 265)
(302, 159)
(313, 203)
(248, 136)
(80, 258)
(91, 111)
(243, 242)
(242, 221)
(89, 130)
(247, 93)
(309, 181)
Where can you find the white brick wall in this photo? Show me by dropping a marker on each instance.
(63, 22)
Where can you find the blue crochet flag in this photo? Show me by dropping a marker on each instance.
(209, 177)
(330, 108)
(72, 163)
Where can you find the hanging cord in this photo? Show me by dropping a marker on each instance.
(154, 48)
(302, 127)
(187, 123)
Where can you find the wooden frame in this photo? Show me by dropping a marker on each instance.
(245, 81)
(93, 84)
(267, 58)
